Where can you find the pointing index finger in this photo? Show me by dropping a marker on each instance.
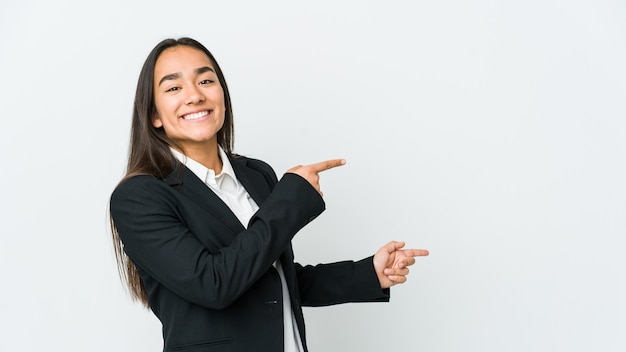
(416, 252)
(327, 165)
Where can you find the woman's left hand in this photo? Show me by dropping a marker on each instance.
(391, 263)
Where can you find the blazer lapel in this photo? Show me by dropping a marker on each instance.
(193, 188)
(253, 181)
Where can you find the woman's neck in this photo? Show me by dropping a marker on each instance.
(208, 156)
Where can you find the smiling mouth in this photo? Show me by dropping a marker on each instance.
(195, 115)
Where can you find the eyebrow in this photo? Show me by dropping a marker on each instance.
(173, 76)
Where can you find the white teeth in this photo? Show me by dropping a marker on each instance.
(196, 115)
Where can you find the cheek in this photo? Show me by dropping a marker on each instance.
(165, 112)
(218, 99)
(223, 115)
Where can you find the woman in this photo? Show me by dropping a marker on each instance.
(202, 236)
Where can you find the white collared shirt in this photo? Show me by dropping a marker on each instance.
(231, 191)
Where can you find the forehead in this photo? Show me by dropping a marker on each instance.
(180, 59)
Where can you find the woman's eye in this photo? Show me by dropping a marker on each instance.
(206, 81)
(173, 89)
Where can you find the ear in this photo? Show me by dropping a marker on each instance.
(156, 121)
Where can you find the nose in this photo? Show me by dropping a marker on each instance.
(195, 96)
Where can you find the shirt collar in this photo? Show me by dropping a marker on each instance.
(205, 174)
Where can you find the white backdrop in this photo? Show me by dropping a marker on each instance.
(490, 132)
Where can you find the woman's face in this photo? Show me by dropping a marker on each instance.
(188, 97)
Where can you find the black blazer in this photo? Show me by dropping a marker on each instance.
(211, 281)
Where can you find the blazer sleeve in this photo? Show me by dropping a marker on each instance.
(335, 283)
(144, 212)
(340, 282)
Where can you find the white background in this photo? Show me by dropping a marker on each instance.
(490, 132)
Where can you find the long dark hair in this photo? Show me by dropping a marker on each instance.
(149, 152)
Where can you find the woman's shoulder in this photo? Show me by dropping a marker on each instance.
(135, 185)
(137, 180)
